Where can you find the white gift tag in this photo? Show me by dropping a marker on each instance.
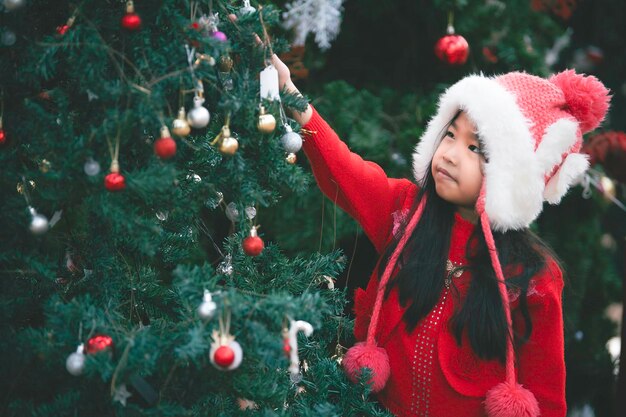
(269, 83)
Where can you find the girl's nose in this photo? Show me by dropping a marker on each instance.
(450, 155)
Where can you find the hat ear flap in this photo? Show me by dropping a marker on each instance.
(567, 175)
(559, 138)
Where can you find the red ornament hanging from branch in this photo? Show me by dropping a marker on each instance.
(99, 343)
(452, 49)
(131, 20)
(165, 146)
(253, 245)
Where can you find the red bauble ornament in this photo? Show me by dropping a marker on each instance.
(62, 30)
(224, 356)
(3, 137)
(452, 49)
(99, 343)
(131, 20)
(165, 146)
(253, 245)
(114, 181)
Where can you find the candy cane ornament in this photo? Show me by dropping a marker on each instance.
(294, 328)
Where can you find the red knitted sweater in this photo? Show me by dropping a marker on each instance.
(431, 375)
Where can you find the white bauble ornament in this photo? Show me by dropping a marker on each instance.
(75, 363)
(39, 223)
(198, 117)
(207, 308)
(91, 167)
(292, 142)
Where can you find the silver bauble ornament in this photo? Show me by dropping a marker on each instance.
(11, 5)
(292, 142)
(231, 212)
(8, 37)
(75, 363)
(199, 116)
(207, 309)
(39, 223)
(91, 167)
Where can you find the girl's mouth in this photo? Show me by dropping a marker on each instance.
(444, 174)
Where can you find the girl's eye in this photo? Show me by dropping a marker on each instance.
(449, 134)
(475, 149)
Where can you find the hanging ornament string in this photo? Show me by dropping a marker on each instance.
(222, 131)
(266, 37)
(191, 53)
(114, 152)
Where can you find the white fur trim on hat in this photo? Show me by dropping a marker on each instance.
(514, 181)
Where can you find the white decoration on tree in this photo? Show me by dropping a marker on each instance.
(294, 361)
(321, 17)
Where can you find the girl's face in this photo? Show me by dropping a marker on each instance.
(457, 164)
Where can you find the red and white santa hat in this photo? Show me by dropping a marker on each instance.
(530, 130)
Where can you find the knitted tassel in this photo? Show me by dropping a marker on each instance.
(507, 399)
(367, 354)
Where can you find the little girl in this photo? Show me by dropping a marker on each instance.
(462, 315)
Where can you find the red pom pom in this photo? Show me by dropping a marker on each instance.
(131, 21)
(114, 181)
(373, 357)
(253, 246)
(99, 343)
(587, 98)
(3, 137)
(165, 148)
(224, 356)
(511, 400)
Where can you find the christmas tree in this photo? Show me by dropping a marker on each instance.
(141, 154)
(130, 228)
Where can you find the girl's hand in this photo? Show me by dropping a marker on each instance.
(284, 76)
(284, 80)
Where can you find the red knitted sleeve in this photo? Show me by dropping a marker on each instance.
(541, 367)
(359, 187)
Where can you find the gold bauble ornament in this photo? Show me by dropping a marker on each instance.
(291, 158)
(226, 63)
(229, 146)
(267, 122)
(180, 126)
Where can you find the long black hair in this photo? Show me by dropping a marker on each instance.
(420, 279)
